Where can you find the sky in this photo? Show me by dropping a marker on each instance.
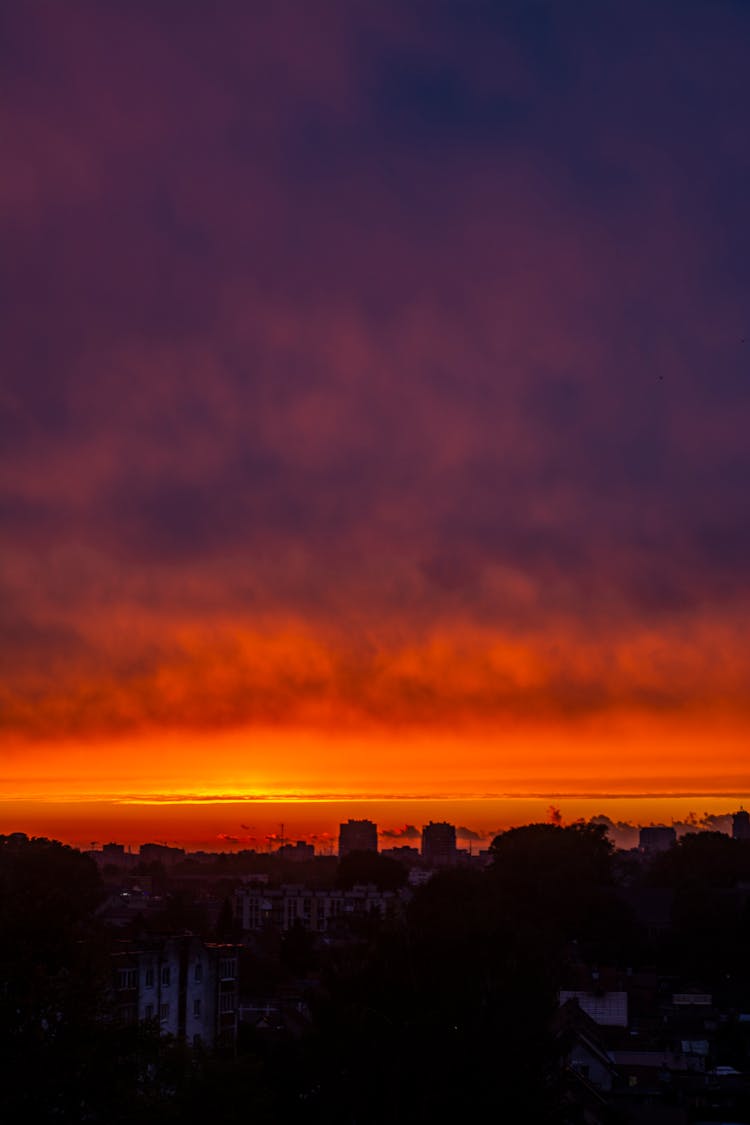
(374, 412)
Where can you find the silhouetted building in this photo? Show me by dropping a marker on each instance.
(298, 852)
(403, 853)
(186, 986)
(319, 911)
(162, 853)
(439, 844)
(358, 836)
(741, 825)
(656, 839)
(113, 855)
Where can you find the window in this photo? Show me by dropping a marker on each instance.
(163, 1012)
(227, 968)
(197, 1007)
(198, 974)
(126, 978)
(149, 1012)
(226, 1002)
(165, 976)
(148, 978)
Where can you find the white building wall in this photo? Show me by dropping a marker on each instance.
(169, 989)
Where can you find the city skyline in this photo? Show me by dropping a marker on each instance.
(268, 835)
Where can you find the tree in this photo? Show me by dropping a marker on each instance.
(52, 970)
(701, 860)
(559, 880)
(549, 852)
(444, 1016)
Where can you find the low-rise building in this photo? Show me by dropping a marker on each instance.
(404, 853)
(656, 838)
(319, 911)
(297, 853)
(161, 853)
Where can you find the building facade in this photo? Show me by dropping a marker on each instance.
(657, 838)
(297, 853)
(357, 836)
(187, 986)
(319, 911)
(161, 853)
(741, 825)
(439, 844)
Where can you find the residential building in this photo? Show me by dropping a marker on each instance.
(403, 853)
(439, 844)
(297, 853)
(162, 853)
(357, 836)
(319, 911)
(656, 838)
(609, 1009)
(187, 986)
(741, 825)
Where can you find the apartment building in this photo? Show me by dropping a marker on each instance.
(319, 911)
(187, 986)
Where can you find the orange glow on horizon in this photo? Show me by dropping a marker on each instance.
(204, 786)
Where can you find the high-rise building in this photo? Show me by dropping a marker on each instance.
(741, 825)
(439, 844)
(358, 836)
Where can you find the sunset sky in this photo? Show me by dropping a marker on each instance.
(375, 414)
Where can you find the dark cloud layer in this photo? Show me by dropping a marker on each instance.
(390, 323)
